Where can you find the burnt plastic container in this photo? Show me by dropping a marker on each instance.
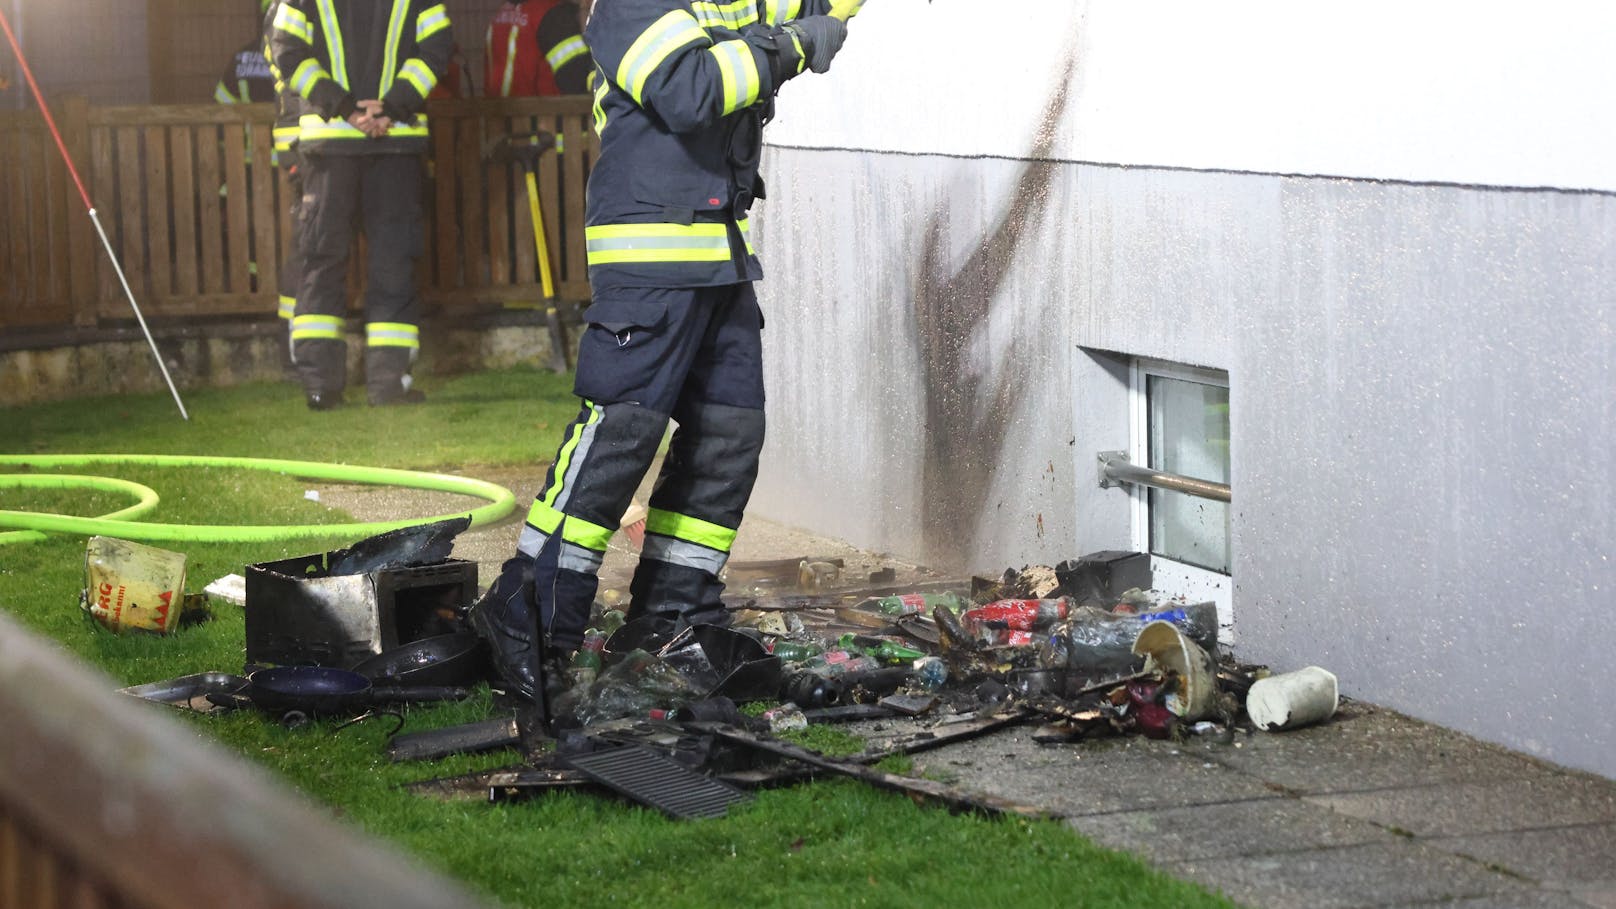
(300, 614)
(1099, 578)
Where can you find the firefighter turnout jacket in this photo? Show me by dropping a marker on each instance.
(335, 53)
(682, 91)
(534, 48)
(247, 80)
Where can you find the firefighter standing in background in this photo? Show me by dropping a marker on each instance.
(534, 48)
(674, 331)
(248, 80)
(363, 69)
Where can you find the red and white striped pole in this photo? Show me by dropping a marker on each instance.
(28, 74)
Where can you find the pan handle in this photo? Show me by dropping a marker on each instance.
(416, 694)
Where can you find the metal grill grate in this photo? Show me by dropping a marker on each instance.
(653, 779)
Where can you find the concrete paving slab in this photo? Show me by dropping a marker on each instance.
(1375, 874)
(1246, 828)
(1367, 748)
(1110, 775)
(1581, 857)
(1537, 801)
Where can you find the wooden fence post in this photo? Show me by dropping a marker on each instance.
(74, 116)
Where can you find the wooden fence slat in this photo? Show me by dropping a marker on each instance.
(158, 208)
(445, 211)
(474, 197)
(130, 215)
(35, 162)
(496, 199)
(11, 233)
(237, 206)
(212, 224)
(104, 179)
(263, 213)
(57, 213)
(17, 196)
(579, 139)
(182, 149)
(83, 250)
(550, 201)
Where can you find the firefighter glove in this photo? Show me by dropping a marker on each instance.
(821, 38)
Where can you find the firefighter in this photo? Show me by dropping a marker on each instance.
(363, 69)
(247, 80)
(287, 108)
(674, 331)
(534, 47)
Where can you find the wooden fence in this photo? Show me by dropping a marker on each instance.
(200, 219)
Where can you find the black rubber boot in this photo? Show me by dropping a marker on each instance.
(322, 367)
(503, 617)
(387, 377)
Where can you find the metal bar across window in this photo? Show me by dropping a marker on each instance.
(1115, 469)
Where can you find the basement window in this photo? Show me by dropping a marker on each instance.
(1180, 425)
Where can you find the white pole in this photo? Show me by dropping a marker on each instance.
(156, 354)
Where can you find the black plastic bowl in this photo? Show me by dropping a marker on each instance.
(445, 659)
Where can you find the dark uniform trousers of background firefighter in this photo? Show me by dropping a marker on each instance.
(674, 329)
(334, 53)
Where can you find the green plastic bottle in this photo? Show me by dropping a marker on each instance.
(886, 650)
(914, 603)
(795, 651)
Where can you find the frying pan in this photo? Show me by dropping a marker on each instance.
(444, 659)
(324, 691)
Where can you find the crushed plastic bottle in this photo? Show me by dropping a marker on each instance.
(930, 673)
(914, 603)
(795, 651)
(887, 650)
(1093, 639)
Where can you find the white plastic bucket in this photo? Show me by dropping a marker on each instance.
(1292, 699)
(133, 587)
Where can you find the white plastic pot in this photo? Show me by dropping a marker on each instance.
(1292, 699)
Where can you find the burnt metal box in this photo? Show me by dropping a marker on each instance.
(300, 614)
(1099, 578)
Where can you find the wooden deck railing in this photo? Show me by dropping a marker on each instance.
(105, 803)
(200, 219)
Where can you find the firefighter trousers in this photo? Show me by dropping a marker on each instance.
(692, 355)
(381, 192)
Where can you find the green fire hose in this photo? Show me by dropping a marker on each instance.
(501, 501)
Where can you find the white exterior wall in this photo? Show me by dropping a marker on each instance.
(1394, 228)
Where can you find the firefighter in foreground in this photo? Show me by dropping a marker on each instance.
(363, 69)
(682, 93)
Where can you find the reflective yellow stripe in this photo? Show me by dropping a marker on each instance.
(316, 327)
(294, 23)
(395, 33)
(510, 64)
(738, 71)
(333, 43)
(574, 530)
(735, 15)
(284, 137)
(610, 244)
(392, 334)
(689, 529)
(314, 127)
(601, 88)
(674, 31)
(418, 74)
(307, 75)
(432, 20)
(222, 94)
(287, 307)
(564, 457)
(566, 52)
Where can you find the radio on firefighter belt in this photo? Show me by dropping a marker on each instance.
(524, 149)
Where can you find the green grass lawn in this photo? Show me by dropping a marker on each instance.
(831, 843)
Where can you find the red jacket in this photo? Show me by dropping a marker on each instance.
(534, 48)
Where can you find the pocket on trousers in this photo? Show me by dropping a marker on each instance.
(619, 354)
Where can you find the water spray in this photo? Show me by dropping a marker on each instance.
(50, 122)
